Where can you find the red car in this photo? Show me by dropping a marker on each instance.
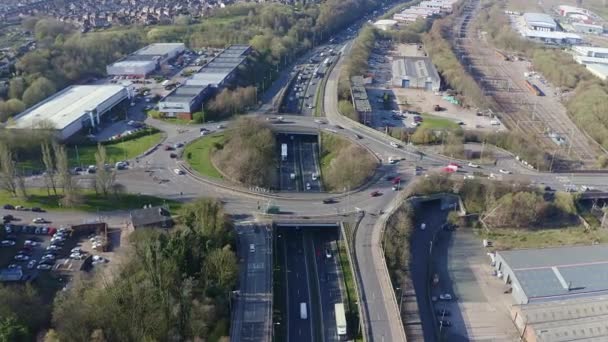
(168, 148)
(375, 193)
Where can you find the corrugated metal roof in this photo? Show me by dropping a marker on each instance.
(539, 19)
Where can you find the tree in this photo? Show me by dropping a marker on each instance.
(39, 90)
(198, 117)
(70, 193)
(10, 108)
(12, 331)
(49, 164)
(104, 178)
(16, 87)
(221, 268)
(8, 170)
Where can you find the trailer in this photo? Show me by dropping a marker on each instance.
(340, 319)
(533, 88)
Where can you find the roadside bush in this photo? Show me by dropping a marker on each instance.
(346, 108)
(198, 117)
(396, 244)
(344, 165)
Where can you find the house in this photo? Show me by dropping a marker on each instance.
(151, 217)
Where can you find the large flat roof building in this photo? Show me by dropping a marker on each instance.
(540, 22)
(184, 100)
(548, 274)
(145, 60)
(72, 109)
(415, 72)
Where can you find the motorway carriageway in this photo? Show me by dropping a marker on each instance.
(302, 160)
(310, 277)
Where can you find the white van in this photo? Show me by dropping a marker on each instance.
(251, 248)
(303, 312)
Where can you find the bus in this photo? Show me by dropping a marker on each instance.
(340, 319)
(303, 313)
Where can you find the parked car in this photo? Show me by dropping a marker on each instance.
(8, 218)
(38, 210)
(9, 207)
(39, 220)
(31, 264)
(44, 267)
(22, 257)
(506, 172)
(7, 243)
(473, 165)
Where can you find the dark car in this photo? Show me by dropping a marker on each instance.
(445, 323)
(375, 193)
(442, 312)
(38, 210)
(168, 148)
(338, 127)
(173, 155)
(329, 201)
(8, 218)
(9, 207)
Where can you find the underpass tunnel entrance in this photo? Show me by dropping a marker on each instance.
(299, 168)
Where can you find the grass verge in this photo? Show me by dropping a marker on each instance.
(518, 238)
(352, 309)
(91, 202)
(85, 155)
(437, 123)
(198, 154)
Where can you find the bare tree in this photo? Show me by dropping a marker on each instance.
(7, 169)
(70, 191)
(104, 178)
(49, 164)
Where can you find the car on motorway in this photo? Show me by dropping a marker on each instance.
(314, 176)
(442, 312)
(251, 248)
(444, 323)
(329, 201)
(178, 171)
(473, 165)
(307, 186)
(375, 193)
(338, 127)
(358, 136)
(422, 226)
(506, 172)
(327, 253)
(445, 296)
(38, 210)
(320, 122)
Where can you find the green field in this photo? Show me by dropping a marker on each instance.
(437, 123)
(91, 202)
(198, 154)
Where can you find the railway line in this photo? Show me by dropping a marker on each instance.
(519, 101)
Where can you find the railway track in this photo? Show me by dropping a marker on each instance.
(520, 109)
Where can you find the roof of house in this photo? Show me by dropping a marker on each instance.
(67, 106)
(153, 216)
(561, 272)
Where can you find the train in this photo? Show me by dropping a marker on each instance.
(533, 88)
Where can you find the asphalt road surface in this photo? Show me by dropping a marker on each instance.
(330, 279)
(431, 214)
(297, 285)
(252, 314)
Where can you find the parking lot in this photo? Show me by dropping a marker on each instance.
(28, 249)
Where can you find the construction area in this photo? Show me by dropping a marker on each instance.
(524, 101)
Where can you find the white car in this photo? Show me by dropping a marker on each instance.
(38, 220)
(314, 177)
(473, 165)
(6, 243)
(469, 177)
(320, 122)
(178, 171)
(445, 296)
(307, 186)
(394, 144)
(423, 226)
(44, 267)
(506, 172)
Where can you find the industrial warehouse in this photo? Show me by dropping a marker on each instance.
(218, 73)
(543, 28)
(415, 72)
(145, 60)
(561, 293)
(72, 109)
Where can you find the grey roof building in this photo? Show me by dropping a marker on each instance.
(360, 99)
(540, 22)
(153, 217)
(415, 72)
(185, 100)
(549, 274)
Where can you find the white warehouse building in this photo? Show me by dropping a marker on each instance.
(415, 72)
(540, 22)
(72, 109)
(145, 60)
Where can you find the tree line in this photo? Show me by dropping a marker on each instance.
(169, 286)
